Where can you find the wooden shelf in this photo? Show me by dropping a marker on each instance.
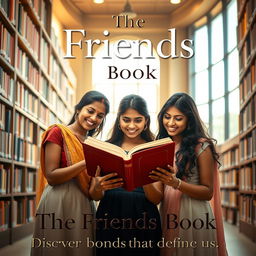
(22, 194)
(235, 166)
(248, 192)
(230, 207)
(5, 160)
(230, 187)
(248, 229)
(17, 108)
(247, 161)
(5, 196)
(5, 237)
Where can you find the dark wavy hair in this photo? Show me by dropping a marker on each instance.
(195, 130)
(87, 99)
(139, 104)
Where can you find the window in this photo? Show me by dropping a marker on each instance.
(215, 72)
(116, 89)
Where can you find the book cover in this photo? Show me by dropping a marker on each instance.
(134, 167)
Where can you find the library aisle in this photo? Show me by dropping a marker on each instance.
(237, 244)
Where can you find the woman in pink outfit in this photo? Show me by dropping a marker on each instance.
(191, 210)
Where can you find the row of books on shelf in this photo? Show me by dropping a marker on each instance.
(26, 100)
(38, 6)
(59, 78)
(45, 16)
(6, 144)
(229, 178)
(247, 177)
(246, 16)
(248, 49)
(5, 179)
(229, 198)
(22, 181)
(247, 207)
(24, 128)
(245, 52)
(5, 118)
(5, 210)
(45, 51)
(230, 215)
(28, 70)
(9, 8)
(48, 118)
(28, 30)
(230, 158)
(247, 115)
(6, 85)
(23, 211)
(40, 9)
(30, 73)
(6, 44)
(25, 151)
(35, 4)
(248, 146)
(248, 82)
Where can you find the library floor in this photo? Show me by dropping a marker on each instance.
(237, 244)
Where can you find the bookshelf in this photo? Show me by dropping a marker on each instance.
(247, 122)
(37, 89)
(229, 180)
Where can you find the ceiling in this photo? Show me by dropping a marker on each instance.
(116, 6)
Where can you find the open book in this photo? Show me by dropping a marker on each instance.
(134, 167)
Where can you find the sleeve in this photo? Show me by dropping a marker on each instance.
(55, 136)
(201, 147)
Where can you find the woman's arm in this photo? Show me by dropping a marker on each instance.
(53, 173)
(204, 190)
(154, 192)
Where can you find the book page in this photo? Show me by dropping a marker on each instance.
(149, 145)
(106, 146)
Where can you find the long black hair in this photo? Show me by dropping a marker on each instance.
(195, 130)
(139, 104)
(87, 99)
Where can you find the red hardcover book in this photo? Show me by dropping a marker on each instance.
(134, 167)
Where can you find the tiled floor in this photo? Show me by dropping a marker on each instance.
(237, 245)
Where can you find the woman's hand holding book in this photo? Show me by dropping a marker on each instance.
(107, 182)
(168, 177)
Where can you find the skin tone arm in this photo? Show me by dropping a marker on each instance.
(154, 192)
(204, 191)
(100, 184)
(54, 174)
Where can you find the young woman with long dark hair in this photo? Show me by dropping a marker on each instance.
(64, 187)
(135, 214)
(188, 218)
